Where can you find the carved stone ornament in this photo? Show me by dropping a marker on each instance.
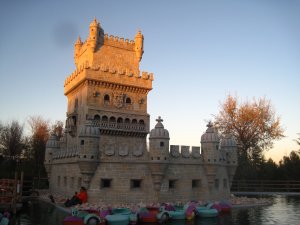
(175, 151)
(118, 100)
(138, 151)
(123, 150)
(109, 150)
(185, 151)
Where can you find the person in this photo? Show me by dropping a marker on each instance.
(78, 198)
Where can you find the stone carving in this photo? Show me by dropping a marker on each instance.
(139, 150)
(175, 151)
(123, 150)
(109, 149)
(118, 99)
(185, 151)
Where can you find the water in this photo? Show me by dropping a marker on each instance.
(284, 211)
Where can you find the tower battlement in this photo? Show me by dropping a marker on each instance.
(119, 42)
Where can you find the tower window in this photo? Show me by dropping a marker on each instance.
(162, 144)
(141, 122)
(97, 117)
(134, 121)
(106, 98)
(104, 118)
(82, 142)
(172, 184)
(105, 183)
(76, 103)
(128, 100)
(216, 183)
(135, 183)
(225, 183)
(120, 120)
(127, 120)
(196, 183)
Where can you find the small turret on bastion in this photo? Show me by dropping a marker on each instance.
(105, 146)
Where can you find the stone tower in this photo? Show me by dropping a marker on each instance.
(104, 143)
(108, 88)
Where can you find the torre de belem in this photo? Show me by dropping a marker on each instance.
(104, 147)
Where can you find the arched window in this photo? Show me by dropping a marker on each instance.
(112, 119)
(134, 121)
(120, 120)
(128, 100)
(97, 117)
(104, 118)
(141, 122)
(106, 98)
(127, 120)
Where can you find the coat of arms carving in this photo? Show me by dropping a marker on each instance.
(118, 99)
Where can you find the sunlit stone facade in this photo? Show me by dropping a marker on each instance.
(104, 147)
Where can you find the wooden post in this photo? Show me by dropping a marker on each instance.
(14, 203)
(21, 184)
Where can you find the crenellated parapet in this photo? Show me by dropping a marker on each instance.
(107, 73)
(184, 151)
(118, 42)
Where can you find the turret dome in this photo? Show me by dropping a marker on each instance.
(211, 134)
(88, 130)
(159, 131)
(94, 23)
(52, 142)
(228, 141)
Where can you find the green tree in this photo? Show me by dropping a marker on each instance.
(290, 166)
(253, 124)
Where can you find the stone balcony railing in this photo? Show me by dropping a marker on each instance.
(120, 126)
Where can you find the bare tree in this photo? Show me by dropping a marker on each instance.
(253, 124)
(12, 140)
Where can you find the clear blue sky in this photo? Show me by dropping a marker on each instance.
(199, 51)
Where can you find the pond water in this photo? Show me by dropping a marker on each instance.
(285, 210)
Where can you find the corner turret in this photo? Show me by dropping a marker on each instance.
(88, 151)
(139, 45)
(229, 145)
(93, 37)
(159, 153)
(77, 47)
(210, 151)
(52, 146)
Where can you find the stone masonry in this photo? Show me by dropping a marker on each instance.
(104, 147)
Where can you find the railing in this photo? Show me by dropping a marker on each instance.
(265, 186)
(119, 126)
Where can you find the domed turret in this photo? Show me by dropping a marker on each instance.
(159, 131)
(159, 153)
(211, 135)
(52, 146)
(139, 42)
(94, 32)
(210, 144)
(228, 141)
(77, 47)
